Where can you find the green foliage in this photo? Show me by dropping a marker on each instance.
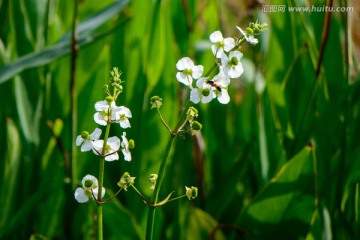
(282, 163)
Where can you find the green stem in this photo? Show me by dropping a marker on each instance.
(151, 213)
(101, 183)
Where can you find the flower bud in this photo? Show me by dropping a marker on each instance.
(155, 102)
(152, 178)
(106, 88)
(109, 99)
(249, 31)
(192, 192)
(131, 144)
(117, 86)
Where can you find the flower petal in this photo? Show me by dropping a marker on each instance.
(229, 43)
(124, 123)
(184, 63)
(224, 97)
(96, 192)
(79, 140)
(87, 146)
(216, 37)
(90, 177)
(183, 78)
(99, 119)
(124, 110)
(101, 105)
(195, 95)
(80, 195)
(112, 157)
(114, 143)
(96, 134)
(127, 154)
(197, 71)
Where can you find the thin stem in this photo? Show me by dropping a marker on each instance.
(163, 121)
(173, 199)
(101, 183)
(142, 196)
(151, 213)
(71, 166)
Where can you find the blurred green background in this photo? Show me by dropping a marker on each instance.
(280, 161)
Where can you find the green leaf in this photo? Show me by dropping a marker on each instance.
(62, 48)
(284, 208)
(8, 185)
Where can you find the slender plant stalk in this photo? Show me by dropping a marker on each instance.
(71, 166)
(101, 183)
(155, 197)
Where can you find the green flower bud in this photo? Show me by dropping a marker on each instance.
(192, 192)
(131, 144)
(249, 31)
(117, 86)
(106, 88)
(155, 102)
(109, 99)
(85, 134)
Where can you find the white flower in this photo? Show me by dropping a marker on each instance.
(221, 44)
(204, 92)
(122, 115)
(232, 65)
(88, 190)
(86, 140)
(125, 147)
(112, 146)
(248, 36)
(188, 71)
(104, 111)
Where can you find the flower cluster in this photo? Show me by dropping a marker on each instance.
(228, 56)
(106, 113)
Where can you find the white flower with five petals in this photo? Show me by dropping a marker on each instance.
(188, 71)
(221, 44)
(111, 148)
(86, 140)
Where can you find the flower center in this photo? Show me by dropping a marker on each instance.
(205, 92)
(234, 61)
(107, 148)
(88, 183)
(187, 72)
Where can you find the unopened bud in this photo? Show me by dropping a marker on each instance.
(155, 102)
(192, 192)
(131, 144)
(109, 99)
(249, 31)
